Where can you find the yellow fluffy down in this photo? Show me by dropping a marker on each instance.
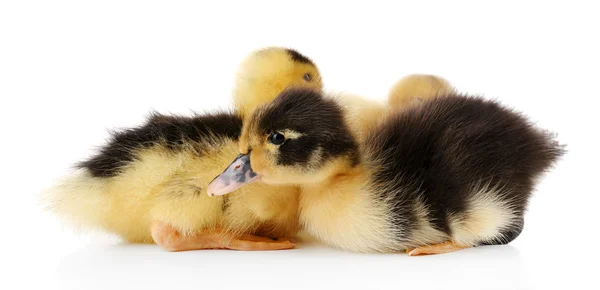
(267, 72)
(362, 114)
(171, 187)
(417, 87)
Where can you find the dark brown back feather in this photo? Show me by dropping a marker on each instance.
(443, 148)
(169, 131)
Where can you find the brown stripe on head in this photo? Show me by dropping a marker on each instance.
(298, 57)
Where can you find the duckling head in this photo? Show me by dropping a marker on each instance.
(266, 73)
(301, 137)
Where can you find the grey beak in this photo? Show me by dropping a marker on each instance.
(236, 175)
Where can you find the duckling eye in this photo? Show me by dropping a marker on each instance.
(276, 138)
(307, 77)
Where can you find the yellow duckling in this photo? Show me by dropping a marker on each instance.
(267, 72)
(149, 183)
(418, 88)
(363, 115)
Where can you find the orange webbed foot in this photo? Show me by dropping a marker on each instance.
(171, 239)
(445, 247)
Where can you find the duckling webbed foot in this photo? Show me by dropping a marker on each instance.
(445, 247)
(171, 239)
(257, 243)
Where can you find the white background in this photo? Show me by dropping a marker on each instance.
(70, 70)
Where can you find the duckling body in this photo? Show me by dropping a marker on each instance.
(456, 169)
(160, 170)
(450, 173)
(148, 184)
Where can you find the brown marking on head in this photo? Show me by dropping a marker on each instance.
(314, 136)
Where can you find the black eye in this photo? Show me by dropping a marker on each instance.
(307, 77)
(276, 138)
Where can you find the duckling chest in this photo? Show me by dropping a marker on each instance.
(263, 210)
(350, 220)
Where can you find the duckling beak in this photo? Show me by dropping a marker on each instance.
(237, 174)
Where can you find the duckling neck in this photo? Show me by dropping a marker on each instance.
(342, 212)
(338, 175)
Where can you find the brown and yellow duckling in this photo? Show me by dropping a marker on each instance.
(451, 173)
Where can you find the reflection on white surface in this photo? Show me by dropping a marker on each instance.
(309, 267)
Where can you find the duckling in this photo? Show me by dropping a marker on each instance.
(148, 183)
(450, 173)
(264, 74)
(417, 88)
(363, 115)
